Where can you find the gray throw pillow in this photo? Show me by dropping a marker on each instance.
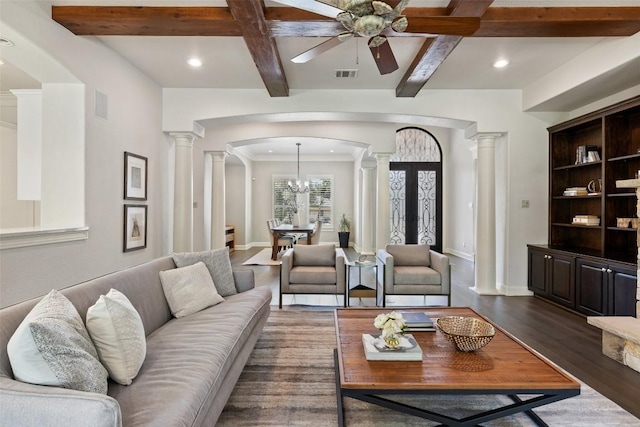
(189, 289)
(52, 347)
(218, 264)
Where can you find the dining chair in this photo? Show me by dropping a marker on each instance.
(284, 241)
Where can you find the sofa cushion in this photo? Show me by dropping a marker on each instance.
(313, 275)
(218, 264)
(410, 254)
(52, 347)
(188, 360)
(314, 255)
(189, 289)
(410, 275)
(118, 334)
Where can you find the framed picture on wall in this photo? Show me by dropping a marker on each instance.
(135, 177)
(135, 227)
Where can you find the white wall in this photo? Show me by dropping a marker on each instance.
(235, 201)
(134, 125)
(14, 213)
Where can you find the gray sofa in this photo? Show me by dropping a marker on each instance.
(191, 367)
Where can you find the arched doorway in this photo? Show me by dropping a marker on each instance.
(415, 180)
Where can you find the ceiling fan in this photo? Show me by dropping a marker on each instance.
(370, 18)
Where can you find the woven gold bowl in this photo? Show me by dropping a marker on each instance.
(466, 333)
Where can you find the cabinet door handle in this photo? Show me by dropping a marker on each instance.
(604, 270)
(609, 270)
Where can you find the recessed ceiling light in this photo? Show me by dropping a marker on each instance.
(195, 62)
(331, 151)
(271, 151)
(501, 63)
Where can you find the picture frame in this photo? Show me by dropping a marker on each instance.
(135, 177)
(135, 227)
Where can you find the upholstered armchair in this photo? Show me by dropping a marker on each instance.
(412, 270)
(312, 269)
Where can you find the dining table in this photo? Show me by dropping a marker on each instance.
(281, 229)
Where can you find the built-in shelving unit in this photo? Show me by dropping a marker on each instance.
(587, 251)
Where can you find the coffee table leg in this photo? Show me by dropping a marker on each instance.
(338, 389)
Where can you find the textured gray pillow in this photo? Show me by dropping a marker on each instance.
(189, 289)
(314, 255)
(218, 263)
(118, 334)
(52, 347)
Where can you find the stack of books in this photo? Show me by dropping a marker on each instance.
(587, 154)
(376, 349)
(586, 220)
(418, 321)
(575, 191)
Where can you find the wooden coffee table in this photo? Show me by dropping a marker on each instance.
(505, 366)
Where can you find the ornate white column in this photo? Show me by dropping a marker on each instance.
(485, 254)
(383, 215)
(218, 206)
(367, 207)
(183, 193)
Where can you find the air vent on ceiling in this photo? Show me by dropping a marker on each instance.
(346, 74)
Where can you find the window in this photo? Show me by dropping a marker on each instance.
(284, 202)
(321, 199)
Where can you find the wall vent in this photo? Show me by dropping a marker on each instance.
(346, 74)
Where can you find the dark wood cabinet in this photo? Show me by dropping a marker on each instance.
(591, 267)
(589, 285)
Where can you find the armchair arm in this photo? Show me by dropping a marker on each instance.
(34, 405)
(341, 271)
(244, 279)
(440, 263)
(385, 265)
(285, 268)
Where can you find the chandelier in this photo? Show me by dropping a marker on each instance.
(299, 187)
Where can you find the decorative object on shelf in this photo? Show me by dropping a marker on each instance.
(345, 228)
(392, 326)
(466, 333)
(587, 154)
(300, 187)
(627, 223)
(135, 227)
(595, 186)
(135, 177)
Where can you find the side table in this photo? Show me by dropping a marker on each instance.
(360, 290)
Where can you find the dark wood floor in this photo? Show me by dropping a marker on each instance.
(562, 336)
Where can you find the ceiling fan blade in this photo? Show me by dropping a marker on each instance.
(445, 25)
(312, 6)
(308, 55)
(385, 60)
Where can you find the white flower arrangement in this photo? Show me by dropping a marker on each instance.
(391, 324)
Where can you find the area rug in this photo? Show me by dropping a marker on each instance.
(289, 381)
(263, 258)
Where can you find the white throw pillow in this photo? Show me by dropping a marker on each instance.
(189, 289)
(118, 334)
(52, 347)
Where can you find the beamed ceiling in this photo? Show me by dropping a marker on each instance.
(261, 25)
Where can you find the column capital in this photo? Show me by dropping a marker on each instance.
(485, 137)
(184, 139)
(382, 157)
(218, 155)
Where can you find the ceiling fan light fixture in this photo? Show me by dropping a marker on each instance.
(369, 26)
(501, 63)
(400, 24)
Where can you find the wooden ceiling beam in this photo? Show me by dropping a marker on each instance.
(293, 22)
(250, 15)
(435, 51)
(146, 21)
